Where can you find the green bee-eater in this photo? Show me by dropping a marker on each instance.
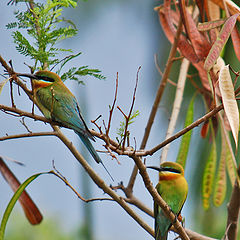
(173, 189)
(56, 102)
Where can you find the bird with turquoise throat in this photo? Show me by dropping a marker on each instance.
(57, 103)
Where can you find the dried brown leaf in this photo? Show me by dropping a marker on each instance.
(229, 100)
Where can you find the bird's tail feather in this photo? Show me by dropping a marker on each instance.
(92, 151)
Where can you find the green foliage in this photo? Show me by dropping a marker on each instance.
(209, 173)
(74, 72)
(121, 129)
(186, 138)
(44, 25)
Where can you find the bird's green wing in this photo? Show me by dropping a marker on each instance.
(62, 107)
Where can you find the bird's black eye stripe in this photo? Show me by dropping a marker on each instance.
(171, 170)
(45, 78)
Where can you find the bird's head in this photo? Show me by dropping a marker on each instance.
(169, 170)
(42, 76)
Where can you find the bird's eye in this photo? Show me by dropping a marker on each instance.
(45, 78)
(172, 170)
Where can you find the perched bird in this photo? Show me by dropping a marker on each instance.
(56, 102)
(173, 189)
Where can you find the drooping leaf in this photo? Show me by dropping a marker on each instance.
(236, 42)
(222, 38)
(200, 44)
(186, 138)
(229, 101)
(221, 183)
(231, 169)
(30, 209)
(209, 175)
(13, 201)
(169, 19)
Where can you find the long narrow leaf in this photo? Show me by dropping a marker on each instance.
(209, 175)
(184, 147)
(229, 101)
(221, 183)
(231, 169)
(13, 201)
(222, 38)
(30, 209)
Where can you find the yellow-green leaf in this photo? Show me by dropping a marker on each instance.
(229, 100)
(209, 174)
(221, 183)
(13, 201)
(231, 169)
(2, 84)
(183, 149)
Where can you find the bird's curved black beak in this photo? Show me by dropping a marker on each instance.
(27, 75)
(156, 168)
(162, 169)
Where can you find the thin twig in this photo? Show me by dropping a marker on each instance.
(112, 108)
(100, 183)
(157, 101)
(114, 145)
(61, 177)
(30, 134)
(188, 128)
(130, 111)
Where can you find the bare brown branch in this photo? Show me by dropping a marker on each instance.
(30, 134)
(157, 101)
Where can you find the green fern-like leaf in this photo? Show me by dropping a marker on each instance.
(84, 71)
(23, 46)
(74, 74)
(11, 25)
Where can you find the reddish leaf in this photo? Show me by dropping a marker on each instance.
(167, 18)
(232, 7)
(204, 129)
(200, 44)
(206, 26)
(220, 42)
(31, 211)
(236, 42)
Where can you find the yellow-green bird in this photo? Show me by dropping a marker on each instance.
(173, 189)
(56, 102)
